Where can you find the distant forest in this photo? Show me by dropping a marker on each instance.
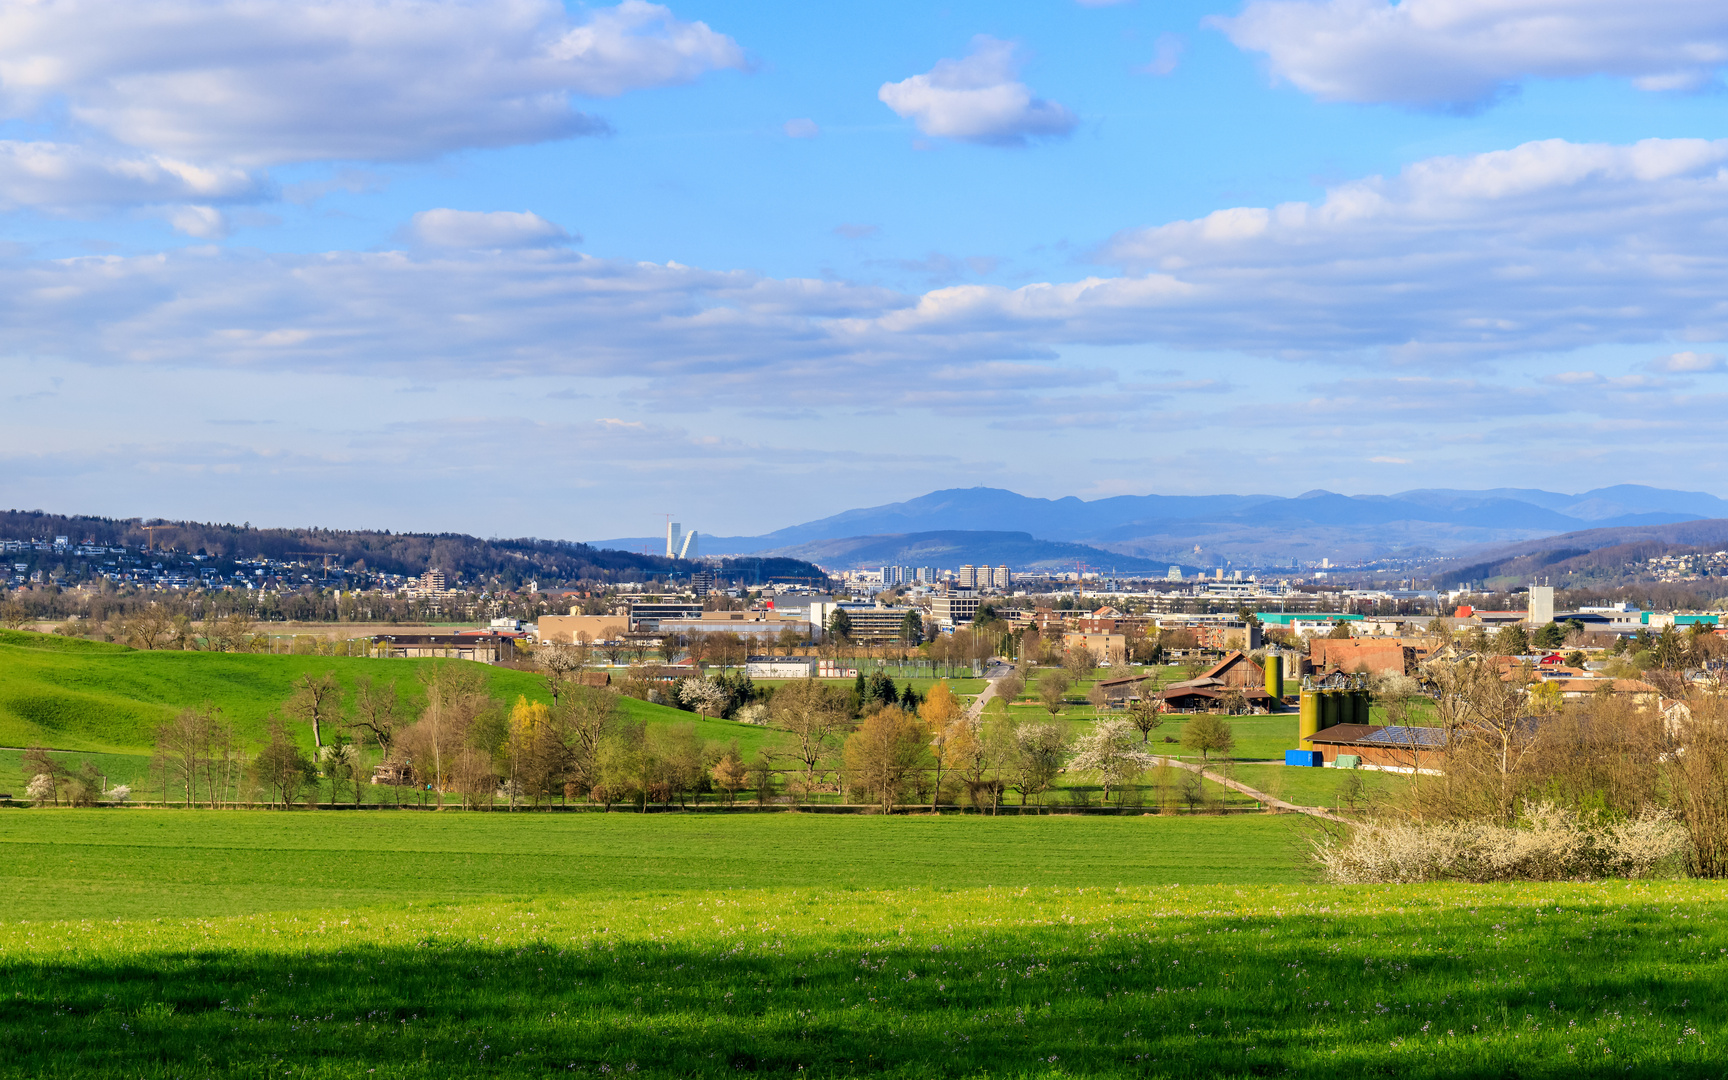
(511, 562)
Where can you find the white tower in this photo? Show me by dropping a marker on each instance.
(673, 531)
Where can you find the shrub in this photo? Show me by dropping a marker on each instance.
(1552, 844)
(119, 794)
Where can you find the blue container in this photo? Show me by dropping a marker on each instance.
(1308, 759)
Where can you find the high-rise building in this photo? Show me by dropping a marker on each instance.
(1175, 574)
(968, 577)
(674, 533)
(1541, 611)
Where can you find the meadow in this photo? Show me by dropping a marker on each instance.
(291, 945)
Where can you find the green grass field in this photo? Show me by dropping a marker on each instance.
(149, 943)
(106, 700)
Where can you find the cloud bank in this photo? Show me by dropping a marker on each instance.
(1463, 53)
(1550, 246)
(253, 83)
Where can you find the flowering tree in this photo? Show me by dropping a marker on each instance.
(41, 788)
(1111, 752)
(703, 695)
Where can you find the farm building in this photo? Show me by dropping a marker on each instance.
(481, 646)
(1376, 656)
(1233, 676)
(1373, 746)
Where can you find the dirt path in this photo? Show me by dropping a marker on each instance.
(1268, 801)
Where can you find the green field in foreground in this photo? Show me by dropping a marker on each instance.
(158, 944)
(96, 864)
(1048, 981)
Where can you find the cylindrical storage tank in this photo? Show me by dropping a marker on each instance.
(1359, 699)
(1308, 719)
(1275, 676)
(1328, 709)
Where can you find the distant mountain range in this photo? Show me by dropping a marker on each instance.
(993, 525)
(1572, 559)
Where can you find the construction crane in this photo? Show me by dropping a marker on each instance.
(325, 555)
(150, 544)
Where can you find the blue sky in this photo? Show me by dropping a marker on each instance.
(511, 268)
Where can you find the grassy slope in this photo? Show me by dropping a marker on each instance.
(81, 695)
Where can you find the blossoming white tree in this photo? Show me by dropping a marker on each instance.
(1113, 752)
(41, 788)
(703, 695)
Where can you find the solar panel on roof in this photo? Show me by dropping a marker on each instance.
(1398, 735)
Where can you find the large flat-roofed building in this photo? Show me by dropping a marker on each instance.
(781, 667)
(871, 624)
(567, 629)
(645, 615)
(954, 610)
(757, 625)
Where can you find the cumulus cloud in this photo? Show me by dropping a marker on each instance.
(204, 222)
(444, 228)
(1547, 247)
(1462, 53)
(261, 82)
(70, 178)
(1690, 363)
(978, 98)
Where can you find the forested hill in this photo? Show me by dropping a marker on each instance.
(392, 553)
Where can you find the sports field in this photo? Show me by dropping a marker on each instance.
(327, 944)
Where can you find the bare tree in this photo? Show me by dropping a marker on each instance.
(1146, 716)
(455, 697)
(1053, 690)
(588, 713)
(149, 627)
(13, 613)
(377, 713)
(1080, 662)
(280, 767)
(314, 702)
(815, 715)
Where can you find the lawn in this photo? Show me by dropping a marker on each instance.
(236, 944)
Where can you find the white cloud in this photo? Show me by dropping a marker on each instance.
(1166, 55)
(262, 82)
(67, 178)
(204, 222)
(1690, 363)
(1461, 53)
(978, 99)
(444, 228)
(802, 128)
(1550, 245)
(1544, 248)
